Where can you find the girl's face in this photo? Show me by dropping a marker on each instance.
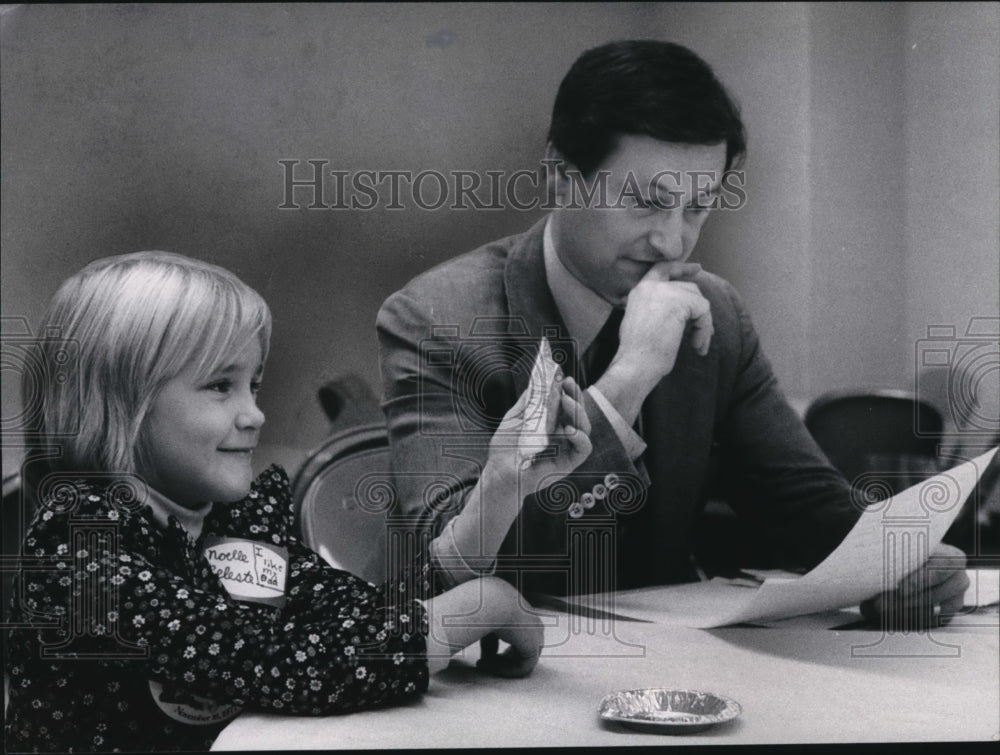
(200, 433)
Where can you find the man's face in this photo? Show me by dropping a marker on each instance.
(648, 202)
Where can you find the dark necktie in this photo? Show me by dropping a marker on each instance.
(600, 353)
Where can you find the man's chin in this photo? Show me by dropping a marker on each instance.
(617, 294)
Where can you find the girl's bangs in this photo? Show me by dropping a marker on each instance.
(225, 323)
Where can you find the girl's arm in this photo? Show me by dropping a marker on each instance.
(348, 652)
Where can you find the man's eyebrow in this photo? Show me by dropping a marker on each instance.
(709, 194)
(667, 196)
(666, 193)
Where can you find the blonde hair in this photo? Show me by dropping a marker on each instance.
(135, 321)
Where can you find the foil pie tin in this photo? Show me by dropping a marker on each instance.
(668, 711)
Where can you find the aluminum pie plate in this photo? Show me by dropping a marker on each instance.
(668, 711)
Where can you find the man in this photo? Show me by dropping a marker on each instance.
(679, 396)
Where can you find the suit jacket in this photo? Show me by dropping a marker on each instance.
(457, 344)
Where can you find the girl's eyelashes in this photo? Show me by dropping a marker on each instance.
(220, 386)
(226, 385)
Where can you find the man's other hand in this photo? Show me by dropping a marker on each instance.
(937, 589)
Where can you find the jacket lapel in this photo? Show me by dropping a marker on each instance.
(532, 309)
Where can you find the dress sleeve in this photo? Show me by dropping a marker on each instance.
(334, 647)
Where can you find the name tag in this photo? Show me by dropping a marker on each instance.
(248, 569)
(192, 709)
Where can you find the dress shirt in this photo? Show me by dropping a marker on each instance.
(585, 313)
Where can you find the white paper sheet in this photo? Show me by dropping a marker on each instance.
(890, 540)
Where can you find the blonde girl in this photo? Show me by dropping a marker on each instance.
(163, 589)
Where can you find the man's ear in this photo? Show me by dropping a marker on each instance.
(556, 179)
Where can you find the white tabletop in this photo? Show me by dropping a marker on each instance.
(796, 681)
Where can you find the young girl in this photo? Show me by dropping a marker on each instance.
(145, 616)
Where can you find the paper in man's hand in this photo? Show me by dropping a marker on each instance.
(542, 410)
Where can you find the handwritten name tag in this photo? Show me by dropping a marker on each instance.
(248, 569)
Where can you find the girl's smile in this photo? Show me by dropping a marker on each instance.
(200, 433)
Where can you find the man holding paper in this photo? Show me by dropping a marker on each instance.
(679, 395)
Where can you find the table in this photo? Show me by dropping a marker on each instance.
(797, 682)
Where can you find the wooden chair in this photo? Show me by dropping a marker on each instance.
(342, 495)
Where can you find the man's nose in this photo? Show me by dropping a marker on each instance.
(667, 236)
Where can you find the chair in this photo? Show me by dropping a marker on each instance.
(348, 400)
(890, 435)
(342, 495)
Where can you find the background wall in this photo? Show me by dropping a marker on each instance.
(872, 176)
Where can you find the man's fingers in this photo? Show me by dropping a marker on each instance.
(673, 271)
(688, 286)
(951, 607)
(681, 270)
(917, 598)
(702, 328)
(950, 589)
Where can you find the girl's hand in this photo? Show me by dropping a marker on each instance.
(525, 453)
(540, 440)
(486, 609)
(523, 633)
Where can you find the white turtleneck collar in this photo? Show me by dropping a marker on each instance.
(192, 520)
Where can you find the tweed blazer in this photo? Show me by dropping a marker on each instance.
(456, 348)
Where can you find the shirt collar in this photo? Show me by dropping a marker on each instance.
(191, 520)
(583, 311)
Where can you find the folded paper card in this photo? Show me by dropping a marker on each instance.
(543, 404)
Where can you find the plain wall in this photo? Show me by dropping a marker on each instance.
(132, 127)
(952, 270)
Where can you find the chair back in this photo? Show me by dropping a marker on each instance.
(891, 435)
(342, 495)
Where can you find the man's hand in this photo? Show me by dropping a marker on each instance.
(936, 589)
(658, 312)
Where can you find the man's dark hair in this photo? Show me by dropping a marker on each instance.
(641, 87)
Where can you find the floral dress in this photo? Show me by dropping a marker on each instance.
(130, 636)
